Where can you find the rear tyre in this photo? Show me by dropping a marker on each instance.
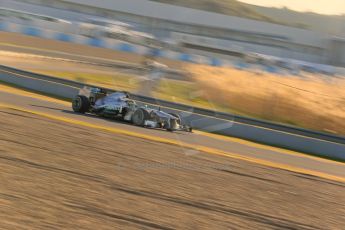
(139, 117)
(178, 119)
(174, 123)
(80, 104)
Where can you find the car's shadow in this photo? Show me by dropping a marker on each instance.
(46, 107)
(120, 122)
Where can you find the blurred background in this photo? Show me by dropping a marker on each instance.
(268, 62)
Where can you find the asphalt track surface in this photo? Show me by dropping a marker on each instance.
(60, 170)
(261, 154)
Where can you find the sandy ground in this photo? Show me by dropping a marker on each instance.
(58, 176)
(22, 61)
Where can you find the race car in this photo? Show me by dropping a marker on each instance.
(118, 105)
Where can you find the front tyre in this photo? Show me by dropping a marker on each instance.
(80, 104)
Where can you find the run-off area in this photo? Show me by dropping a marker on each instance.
(58, 175)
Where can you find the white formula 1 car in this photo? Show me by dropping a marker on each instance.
(119, 105)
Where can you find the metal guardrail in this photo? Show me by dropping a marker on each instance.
(199, 111)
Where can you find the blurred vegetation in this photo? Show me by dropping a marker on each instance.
(312, 101)
(186, 92)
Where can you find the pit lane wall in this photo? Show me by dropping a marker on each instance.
(315, 143)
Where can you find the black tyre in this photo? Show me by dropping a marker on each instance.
(178, 119)
(80, 104)
(139, 117)
(174, 123)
